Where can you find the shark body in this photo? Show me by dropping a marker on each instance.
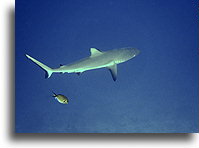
(97, 59)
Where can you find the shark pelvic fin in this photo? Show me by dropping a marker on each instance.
(95, 52)
(78, 73)
(113, 70)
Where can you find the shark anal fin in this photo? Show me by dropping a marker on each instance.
(113, 70)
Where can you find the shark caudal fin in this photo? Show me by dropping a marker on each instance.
(47, 69)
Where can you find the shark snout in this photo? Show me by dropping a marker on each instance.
(136, 52)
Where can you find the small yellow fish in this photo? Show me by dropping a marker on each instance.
(61, 98)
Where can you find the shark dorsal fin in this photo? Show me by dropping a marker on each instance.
(95, 52)
(61, 65)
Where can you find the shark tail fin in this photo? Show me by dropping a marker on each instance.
(47, 69)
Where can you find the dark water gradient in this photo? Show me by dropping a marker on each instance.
(155, 92)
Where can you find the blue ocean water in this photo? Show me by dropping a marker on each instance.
(155, 92)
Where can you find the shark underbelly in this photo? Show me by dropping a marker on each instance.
(86, 64)
(86, 68)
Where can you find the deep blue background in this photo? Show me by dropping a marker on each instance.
(155, 92)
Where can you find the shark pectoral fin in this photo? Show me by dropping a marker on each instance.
(113, 70)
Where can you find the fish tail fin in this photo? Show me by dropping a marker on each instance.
(54, 94)
(47, 69)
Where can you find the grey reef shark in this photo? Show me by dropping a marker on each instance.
(97, 59)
